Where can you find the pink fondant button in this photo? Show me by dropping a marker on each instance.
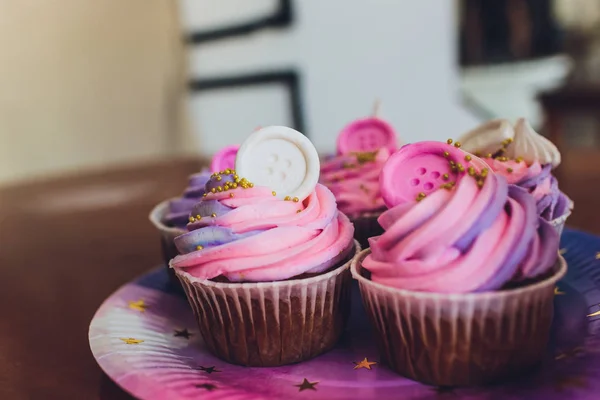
(365, 135)
(422, 168)
(224, 158)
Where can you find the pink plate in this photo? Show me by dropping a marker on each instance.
(144, 337)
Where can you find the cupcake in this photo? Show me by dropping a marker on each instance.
(170, 217)
(460, 285)
(526, 159)
(353, 173)
(265, 264)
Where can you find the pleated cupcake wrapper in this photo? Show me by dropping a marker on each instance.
(366, 226)
(271, 323)
(167, 236)
(559, 223)
(460, 339)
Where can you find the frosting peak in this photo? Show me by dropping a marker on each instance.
(532, 146)
(487, 138)
(520, 141)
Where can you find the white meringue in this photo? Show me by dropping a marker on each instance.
(531, 146)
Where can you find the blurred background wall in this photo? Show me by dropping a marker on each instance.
(88, 84)
(93, 84)
(346, 55)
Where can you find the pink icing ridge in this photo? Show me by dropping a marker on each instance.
(291, 244)
(355, 189)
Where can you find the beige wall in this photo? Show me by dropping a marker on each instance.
(88, 83)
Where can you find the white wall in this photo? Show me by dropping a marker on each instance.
(349, 52)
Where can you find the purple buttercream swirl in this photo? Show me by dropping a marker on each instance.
(179, 209)
(553, 204)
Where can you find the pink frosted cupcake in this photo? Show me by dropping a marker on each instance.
(353, 174)
(265, 264)
(460, 285)
(526, 159)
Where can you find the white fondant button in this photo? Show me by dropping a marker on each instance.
(281, 159)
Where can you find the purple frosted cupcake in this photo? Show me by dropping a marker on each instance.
(171, 216)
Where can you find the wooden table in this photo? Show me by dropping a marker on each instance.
(66, 245)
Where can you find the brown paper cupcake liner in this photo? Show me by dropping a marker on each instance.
(366, 226)
(271, 323)
(167, 237)
(460, 339)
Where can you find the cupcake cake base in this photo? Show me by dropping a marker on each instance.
(272, 323)
(460, 339)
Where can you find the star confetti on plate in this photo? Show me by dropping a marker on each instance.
(138, 305)
(184, 333)
(595, 314)
(306, 385)
(557, 291)
(132, 340)
(208, 370)
(364, 364)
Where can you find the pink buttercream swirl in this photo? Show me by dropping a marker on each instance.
(256, 237)
(461, 240)
(354, 181)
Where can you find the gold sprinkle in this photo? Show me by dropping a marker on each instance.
(287, 198)
(218, 178)
(198, 217)
(457, 144)
(477, 154)
(445, 177)
(509, 170)
(488, 155)
(274, 193)
(519, 159)
(234, 185)
(213, 190)
(199, 247)
(214, 215)
(297, 211)
(295, 199)
(205, 194)
(251, 184)
(446, 154)
(449, 141)
(484, 172)
(227, 171)
(231, 195)
(471, 171)
(235, 177)
(467, 158)
(461, 168)
(219, 189)
(480, 183)
(191, 219)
